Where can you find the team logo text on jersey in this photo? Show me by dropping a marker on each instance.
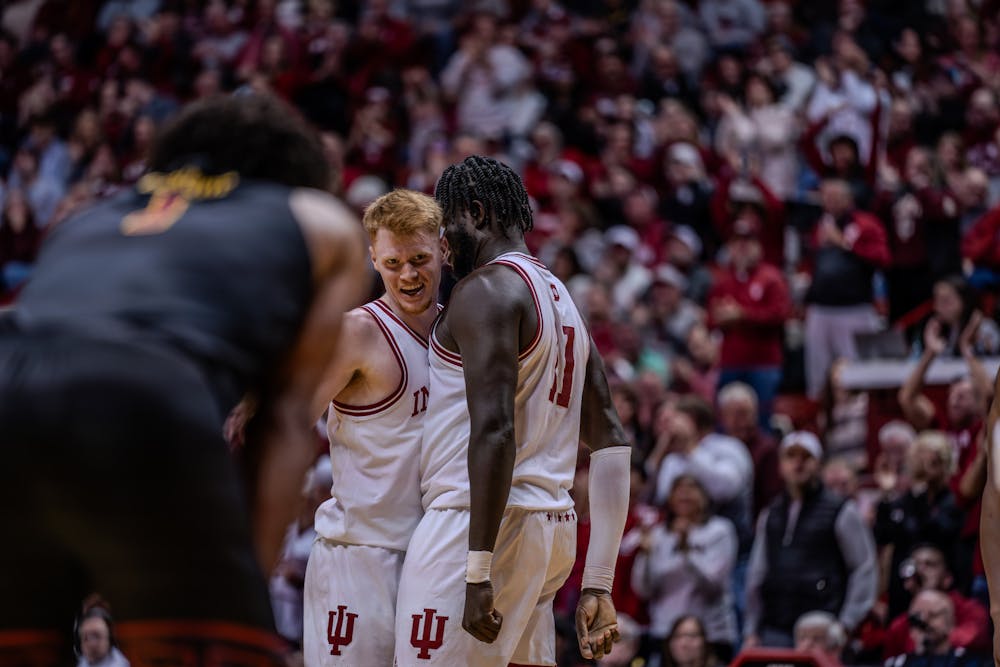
(433, 626)
(340, 636)
(420, 401)
(170, 196)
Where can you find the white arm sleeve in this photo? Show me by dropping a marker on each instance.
(609, 492)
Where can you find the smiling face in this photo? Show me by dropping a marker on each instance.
(410, 266)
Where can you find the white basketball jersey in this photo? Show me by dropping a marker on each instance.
(374, 451)
(547, 405)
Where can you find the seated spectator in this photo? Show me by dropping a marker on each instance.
(684, 565)
(95, 640)
(720, 463)
(843, 419)
(890, 473)
(926, 513)
(19, 241)
(738, 416)
(926, 570)
(819, 631)
(933, 618)
(686, 645)
(812, 551)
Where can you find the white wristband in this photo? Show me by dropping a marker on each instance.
(477, 568)
(596, 576)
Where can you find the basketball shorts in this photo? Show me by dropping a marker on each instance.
(116, 480)
(532, 559)
(350, 605)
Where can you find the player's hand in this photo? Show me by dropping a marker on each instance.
(596, 624)
(481, 620)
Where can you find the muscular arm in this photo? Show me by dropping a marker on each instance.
(280, 442)
(484, 303)
(601, 430)
(600, 425)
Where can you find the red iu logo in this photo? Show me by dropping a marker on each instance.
(341, 636)
(424, 641)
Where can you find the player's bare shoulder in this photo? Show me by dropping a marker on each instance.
(332, 231)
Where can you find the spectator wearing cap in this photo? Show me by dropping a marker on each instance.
(621, 269)
(849, 246)
(812, 552)
(927, 570)
(732, 24)
(683, 249)
(670, 314)
(688, 193)
(749, 304)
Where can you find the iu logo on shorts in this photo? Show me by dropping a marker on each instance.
(340, 636)
(433, 626)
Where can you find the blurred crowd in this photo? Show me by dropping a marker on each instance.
(744, 197)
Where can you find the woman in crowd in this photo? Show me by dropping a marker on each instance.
(684, 566)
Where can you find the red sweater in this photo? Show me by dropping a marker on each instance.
(755, 340)
(971, 628)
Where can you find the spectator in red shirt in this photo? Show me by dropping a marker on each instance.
(926, 570)
(849, 247)
(749, 304)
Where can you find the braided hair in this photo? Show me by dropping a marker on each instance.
(493, 184)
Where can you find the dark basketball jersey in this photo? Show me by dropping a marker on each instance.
(209, 267)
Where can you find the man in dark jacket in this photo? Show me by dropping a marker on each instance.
(812, 552)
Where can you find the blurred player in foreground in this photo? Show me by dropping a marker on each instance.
(227, 269)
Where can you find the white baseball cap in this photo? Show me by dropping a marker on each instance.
(805, 440)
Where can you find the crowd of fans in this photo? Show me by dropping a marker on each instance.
(736, 192)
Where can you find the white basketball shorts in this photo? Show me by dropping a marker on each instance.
(532, 559)
(350, 605)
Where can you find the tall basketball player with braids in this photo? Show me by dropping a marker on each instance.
(515, 384)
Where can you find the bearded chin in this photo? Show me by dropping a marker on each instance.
(462, 257)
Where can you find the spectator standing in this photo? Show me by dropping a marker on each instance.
(812, 551)
(850, 246)
(749, 303)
